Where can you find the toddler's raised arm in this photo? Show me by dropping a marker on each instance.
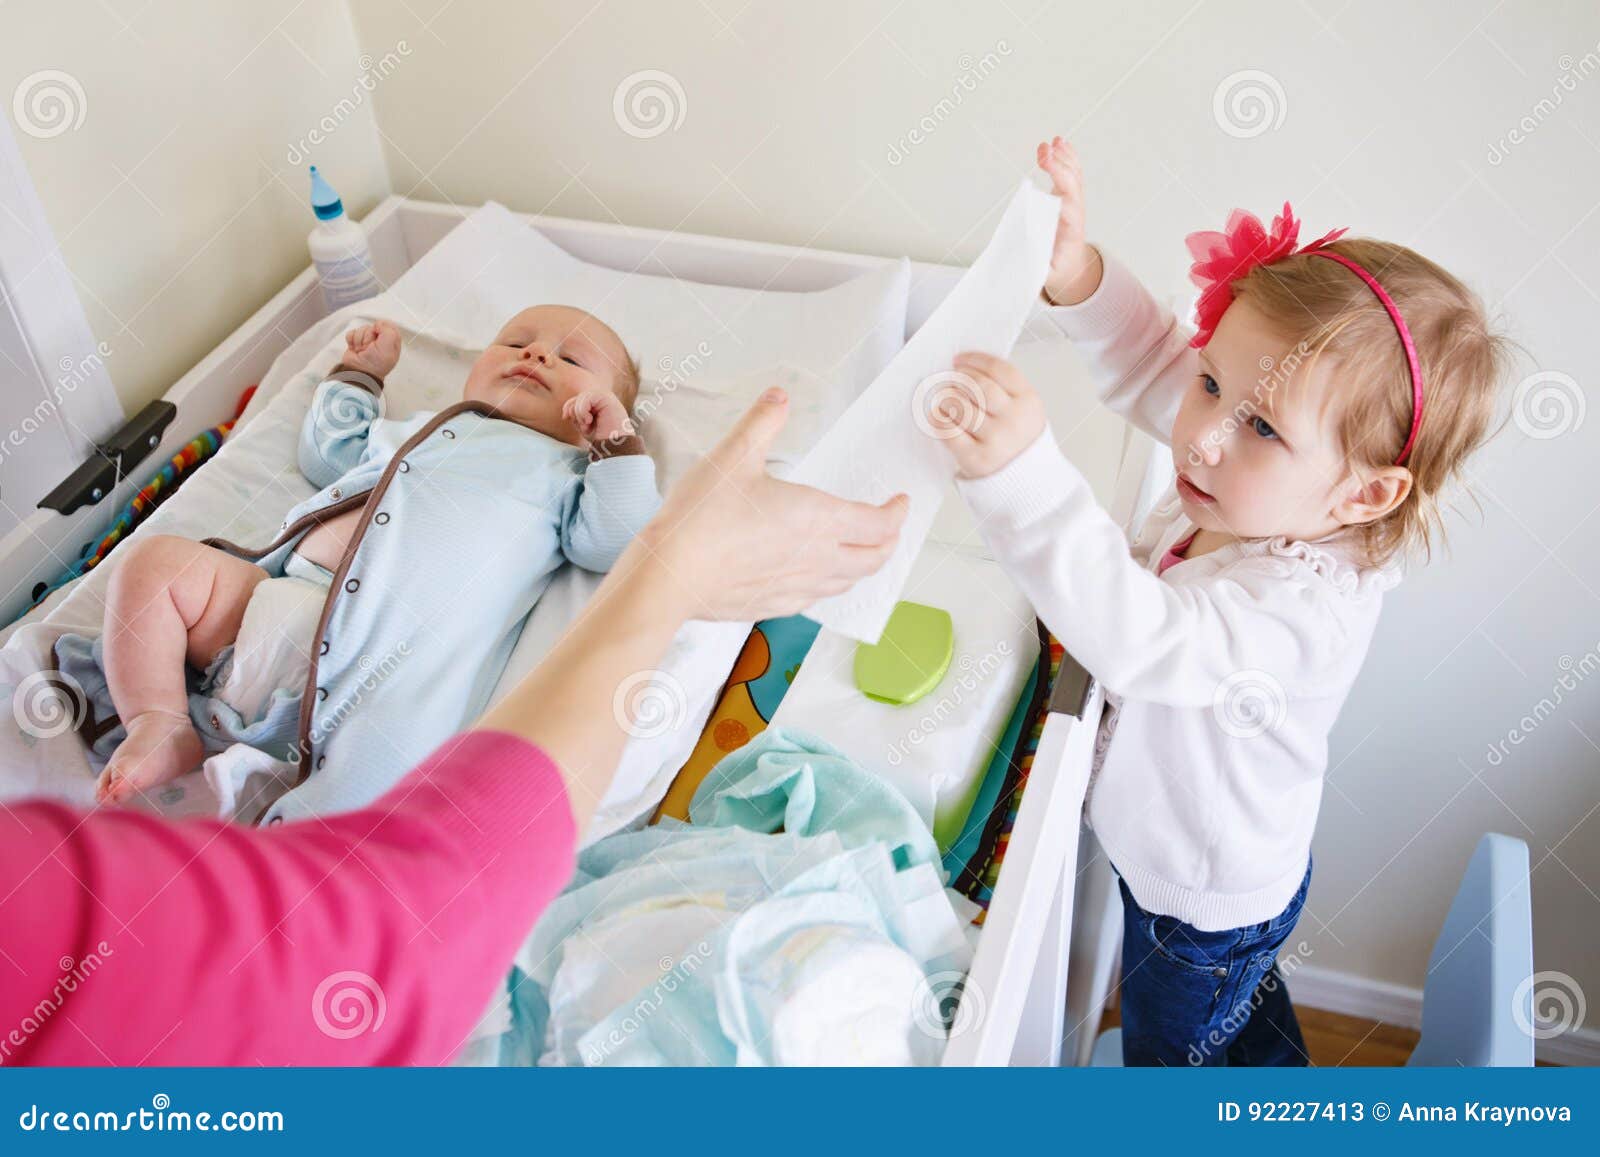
(1138, 354)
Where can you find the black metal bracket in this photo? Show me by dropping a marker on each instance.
(1070, 695)
(113, 460)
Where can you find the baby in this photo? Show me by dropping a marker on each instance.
(413, 568)
(1330, 394)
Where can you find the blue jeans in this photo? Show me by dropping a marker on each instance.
(1193, 998)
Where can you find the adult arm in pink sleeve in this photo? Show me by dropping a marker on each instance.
(130, 939)
(127, 939)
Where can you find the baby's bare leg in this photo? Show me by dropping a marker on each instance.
(170, 601)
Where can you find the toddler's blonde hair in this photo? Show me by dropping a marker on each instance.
(1337, 316)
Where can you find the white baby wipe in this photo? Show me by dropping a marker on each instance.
(884, 444)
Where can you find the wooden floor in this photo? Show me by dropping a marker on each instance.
(1334, 1039)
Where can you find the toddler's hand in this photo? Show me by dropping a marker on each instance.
(986, 413)
(373, 349)
(598, 416)
(1074, 263)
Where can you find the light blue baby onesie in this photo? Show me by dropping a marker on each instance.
(466, 518)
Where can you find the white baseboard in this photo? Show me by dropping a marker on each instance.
(1379, 1000)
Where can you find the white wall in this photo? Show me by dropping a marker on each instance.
(169, 184)
(796, 123)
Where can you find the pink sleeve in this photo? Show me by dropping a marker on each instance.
(374, 937)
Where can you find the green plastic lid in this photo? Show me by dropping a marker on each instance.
(911, 657)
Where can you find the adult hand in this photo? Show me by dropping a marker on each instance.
(730, 542)
(735, 543)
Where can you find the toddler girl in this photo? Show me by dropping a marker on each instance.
(1331, 392)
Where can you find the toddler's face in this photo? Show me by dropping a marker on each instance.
(541, 358)
(1253, 457)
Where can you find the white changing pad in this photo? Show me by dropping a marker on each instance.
(937, 749)
(245, 491)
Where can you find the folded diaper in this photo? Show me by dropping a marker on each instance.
(250, 694)
(272, 650)
(735, 942)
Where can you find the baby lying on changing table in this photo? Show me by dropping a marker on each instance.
(380, 618)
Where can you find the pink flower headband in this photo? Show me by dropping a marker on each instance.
(1220, 259)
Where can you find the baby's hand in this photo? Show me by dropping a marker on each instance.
(986, 413)
(598, 416)
(373, 349)
(1074, 263)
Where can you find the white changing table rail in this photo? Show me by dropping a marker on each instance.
(1018, 985)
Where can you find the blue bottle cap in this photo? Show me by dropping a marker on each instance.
(325, 202)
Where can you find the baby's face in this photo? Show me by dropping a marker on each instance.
(541, 358)
(1248, 435)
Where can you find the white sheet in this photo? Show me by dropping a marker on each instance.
(882, 446)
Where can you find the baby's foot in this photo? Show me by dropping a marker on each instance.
(160, 746)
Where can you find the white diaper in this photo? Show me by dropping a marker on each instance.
(273, 648)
